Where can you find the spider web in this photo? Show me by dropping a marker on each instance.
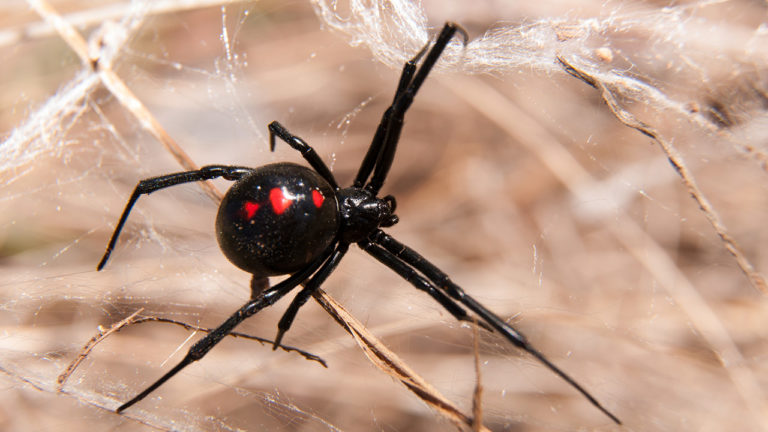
(534, 168)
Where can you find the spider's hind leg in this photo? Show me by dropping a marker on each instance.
(420, 282)
(372, 155)
(382, 151)
(413, 260)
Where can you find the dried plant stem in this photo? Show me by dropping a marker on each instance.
(134, 319)
(388, 362)
(100, 336)
(756, 279)
(113, 83)
(477, 396)
(645, 249)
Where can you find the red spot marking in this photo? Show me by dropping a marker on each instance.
(249, 209)
(317, 198)
(280, 202)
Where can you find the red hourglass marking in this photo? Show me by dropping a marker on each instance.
(249, 209)
(280, 202)
(317, 198)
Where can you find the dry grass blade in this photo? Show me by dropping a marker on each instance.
(103, 66)
(133, 319)
(645, 249)
(477, 396)
(287, 348)
(100, 336)
(756, 278)
(388, 362)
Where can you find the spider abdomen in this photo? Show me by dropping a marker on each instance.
(277, 219)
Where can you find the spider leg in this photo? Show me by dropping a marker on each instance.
(147, 186)
(392, 119)
(439, 278)
(366, 166)
(310, 287)
(307, 152)
(201, 347)
(420, 282)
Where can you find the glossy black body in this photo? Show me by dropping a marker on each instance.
(267, 241)
(362, 213)
(287, 219)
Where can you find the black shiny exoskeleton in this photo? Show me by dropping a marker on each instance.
(285, 218)
(277, 219)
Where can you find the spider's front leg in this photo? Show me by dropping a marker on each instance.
(417, 280)
(385, 141)
(147, 186)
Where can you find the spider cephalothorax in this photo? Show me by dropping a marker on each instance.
(362, 213)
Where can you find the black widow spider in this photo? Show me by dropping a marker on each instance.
(284, 218)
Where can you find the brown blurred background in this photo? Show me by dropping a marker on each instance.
(520, 183)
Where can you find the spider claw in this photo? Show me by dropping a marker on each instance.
(278, 338)
(459, 29)
(484, 325)
(103, 261)
(420, 54)
(271, 138)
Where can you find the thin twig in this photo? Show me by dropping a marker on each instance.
(100, 336)
(756, 278)
(389, 362)
(133, 320)
(563, 166)
(103, 66)
(287, 348)
(477, 395)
